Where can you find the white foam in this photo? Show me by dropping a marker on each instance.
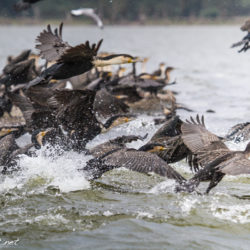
(163, 187)
(234, 213)
(48, 219)
(141, 215)
(107, 213)
(48, 169)
(187, 204)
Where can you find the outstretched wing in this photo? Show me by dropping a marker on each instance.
(51, 45)
(24, 104)
(196, 137)
(80, 52)
(74, 110)
(98, 20)
(90, 13)
(142, 162)
(235, 166)
(245, 42)
(246, 26)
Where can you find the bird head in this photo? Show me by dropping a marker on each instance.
(39, 138)
(117, 120)
(153, 148)
(115, 59)
(5, 131)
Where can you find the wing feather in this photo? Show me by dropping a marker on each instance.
(80, 52)
(235, 166)
(142, 162)
(51, 45)
(196, 136)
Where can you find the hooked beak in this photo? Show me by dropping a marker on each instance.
(157, 149)
(136, 59)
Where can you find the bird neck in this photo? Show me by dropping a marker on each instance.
(102, 61)
(162, 69)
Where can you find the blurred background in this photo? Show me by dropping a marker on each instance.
(130, 11)
(49, 205)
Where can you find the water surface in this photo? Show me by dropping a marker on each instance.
(50, 205)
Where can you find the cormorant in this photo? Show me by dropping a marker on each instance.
(169, 136)
(9, 152)
(17, 131)
(215, 157)
(24, 55)
(160, 71)
(18, 73)
(36, 116)
(51, 136)
(71, 61)
(113, 144)
(107, 105)
(239, 132)
(24, 4)
(246, 39)
(140, 161)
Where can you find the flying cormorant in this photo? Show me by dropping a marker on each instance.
(213, 155)
(71, 61)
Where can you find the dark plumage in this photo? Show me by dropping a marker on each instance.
(239, 132)
(245, 42)
(5, 105)
(17, 131)
(18, 73)
(36, 116)
(117, 120)
(134, 160)
(246, 39)
(24, 4)
(169, 135)
(69, 61)
(24, 55)
(215, 157)
(51, 136)
(74, 111)
(106, 104)
(9, 152)
(117, 143)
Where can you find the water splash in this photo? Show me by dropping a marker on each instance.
(48, 169)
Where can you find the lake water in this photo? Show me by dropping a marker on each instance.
(50, 205)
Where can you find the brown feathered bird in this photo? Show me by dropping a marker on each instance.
(71, 61)
(213, 155)
(246, 39)
(239, 132)
(169, 135)
(74, 111)
(115, 154)
(140, 161)
(9, 152)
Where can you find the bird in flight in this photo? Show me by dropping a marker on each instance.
(24, 4)
(70, 61)
(90, 13)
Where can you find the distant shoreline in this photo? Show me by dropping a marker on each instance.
(70, 21)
